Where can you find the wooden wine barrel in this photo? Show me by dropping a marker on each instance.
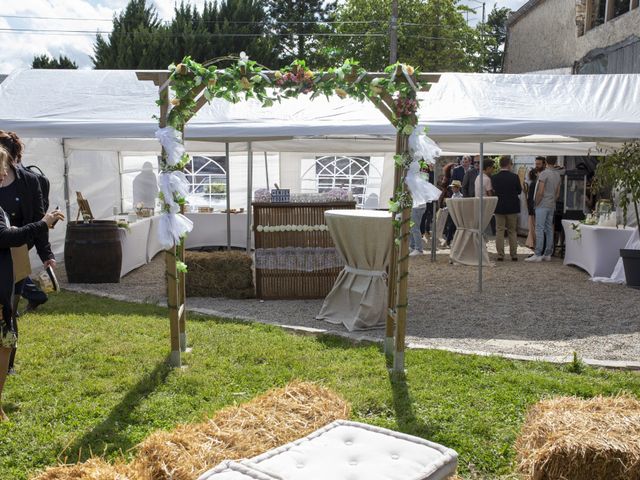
(93, 252)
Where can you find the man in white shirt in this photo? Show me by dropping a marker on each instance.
(487, 171)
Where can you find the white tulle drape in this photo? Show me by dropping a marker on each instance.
(421, 147)
(172, 185)
(171, 140)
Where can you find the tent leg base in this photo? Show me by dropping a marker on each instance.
(388, 345)
(174, 359)
(398, 362)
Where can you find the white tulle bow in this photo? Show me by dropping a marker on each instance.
(171, 140)
(172, 185)
(421, 147)
(173, 226)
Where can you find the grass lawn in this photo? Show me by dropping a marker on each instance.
(92, 378)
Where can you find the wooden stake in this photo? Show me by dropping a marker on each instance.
(171, 268)
(174, 307)
(393, 267)
(403, 274)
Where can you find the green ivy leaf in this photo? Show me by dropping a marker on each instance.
(181, 266)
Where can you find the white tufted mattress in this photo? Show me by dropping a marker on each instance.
(353, 451)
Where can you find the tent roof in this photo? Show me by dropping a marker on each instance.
(460, 108)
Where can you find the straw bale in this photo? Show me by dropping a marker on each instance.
(92, 469)
(219, 274)
(573, 439)
(268, 421)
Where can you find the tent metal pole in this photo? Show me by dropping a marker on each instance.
(67, 188)
(434, 210)
(434, 240)
(120, 169)
(266, 170)
(480, 219)
(226, 153)
(249, 193)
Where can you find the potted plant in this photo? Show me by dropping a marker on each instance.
(621, 172)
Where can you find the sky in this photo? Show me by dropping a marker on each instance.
(18, 48)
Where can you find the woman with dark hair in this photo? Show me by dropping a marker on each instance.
(21, 199)
(13, 237)
(448, 225)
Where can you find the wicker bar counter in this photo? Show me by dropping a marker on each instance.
(295, 256)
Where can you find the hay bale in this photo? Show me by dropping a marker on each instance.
(573, 439)
(219, 274)
(268, 421)
(92, 469)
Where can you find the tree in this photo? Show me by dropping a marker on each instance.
(432, 35)
(135, 41)
(299, 26)
(45, 61)
(493, 34)
(140, 40)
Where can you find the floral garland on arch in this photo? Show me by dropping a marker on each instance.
(245, 79)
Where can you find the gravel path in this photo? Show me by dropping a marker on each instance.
(542, 310)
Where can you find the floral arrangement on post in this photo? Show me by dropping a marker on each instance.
(621, 171)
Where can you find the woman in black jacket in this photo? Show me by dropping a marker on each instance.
(13, 237)
(21, 199)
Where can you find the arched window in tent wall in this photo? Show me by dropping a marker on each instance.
(359, 174)
(206, 175)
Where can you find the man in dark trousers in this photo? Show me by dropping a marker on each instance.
(506, 186)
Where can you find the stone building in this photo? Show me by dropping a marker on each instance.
(574, 36)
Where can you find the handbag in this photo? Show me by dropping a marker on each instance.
(21, 263)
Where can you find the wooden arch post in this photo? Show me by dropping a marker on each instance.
(399, 263)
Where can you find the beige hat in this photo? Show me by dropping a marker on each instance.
(456, 183)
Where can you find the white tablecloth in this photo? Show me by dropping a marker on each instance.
(596, 249)
(464, 212)
(135, 241)
(210, 230)
(359, 297)
(153, 245)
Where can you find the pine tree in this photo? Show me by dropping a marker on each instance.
(135, 40)
(45, 61)
(295, 22)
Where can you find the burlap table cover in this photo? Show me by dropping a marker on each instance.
(464, 212)
(364, 238)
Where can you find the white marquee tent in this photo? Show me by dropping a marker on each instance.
(78, 125)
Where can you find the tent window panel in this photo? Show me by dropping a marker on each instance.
(357, 174)
(207, 175)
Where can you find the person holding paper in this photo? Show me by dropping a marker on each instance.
(11, 237)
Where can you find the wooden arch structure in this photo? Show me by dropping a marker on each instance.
(394, 92)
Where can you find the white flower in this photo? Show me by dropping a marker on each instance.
(260, 228)
(244, 58)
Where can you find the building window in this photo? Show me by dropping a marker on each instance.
(357, 174)
(602, 11)
(207, 181)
